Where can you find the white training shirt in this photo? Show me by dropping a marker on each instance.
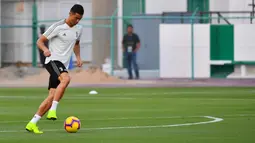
(62, 39)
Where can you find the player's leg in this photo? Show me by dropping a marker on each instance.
(43, 108)
(46, 104)
(64, 79)
(64, 82)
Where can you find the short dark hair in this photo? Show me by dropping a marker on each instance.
(77, 8)
(130, 25)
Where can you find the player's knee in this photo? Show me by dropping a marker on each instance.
(65, 80)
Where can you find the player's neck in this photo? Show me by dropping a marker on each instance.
(68, 23)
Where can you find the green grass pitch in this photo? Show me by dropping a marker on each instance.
(134, 115)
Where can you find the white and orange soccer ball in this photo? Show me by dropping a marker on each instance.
(72, 124)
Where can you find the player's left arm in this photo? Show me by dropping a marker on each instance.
(77, 50)
(77, 53)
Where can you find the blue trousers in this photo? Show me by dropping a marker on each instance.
(131, 62)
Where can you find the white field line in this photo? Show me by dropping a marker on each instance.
(134, 118)
(119, 96)
(214, 120)
(159, 93)
(109, 119)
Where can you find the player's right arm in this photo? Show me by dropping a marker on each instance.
(51, 32)
(41, 45)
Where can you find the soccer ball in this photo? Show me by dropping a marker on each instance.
(72, 124)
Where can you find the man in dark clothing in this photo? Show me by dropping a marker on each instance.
(131, 44)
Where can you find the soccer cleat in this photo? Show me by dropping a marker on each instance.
(52, 115)
(31, 127)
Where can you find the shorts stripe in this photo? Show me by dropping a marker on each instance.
(55, 68)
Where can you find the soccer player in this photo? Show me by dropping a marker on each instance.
(63, 37)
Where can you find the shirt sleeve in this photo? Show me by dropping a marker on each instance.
(51, 32)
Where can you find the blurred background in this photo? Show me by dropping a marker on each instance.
(179, 38)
